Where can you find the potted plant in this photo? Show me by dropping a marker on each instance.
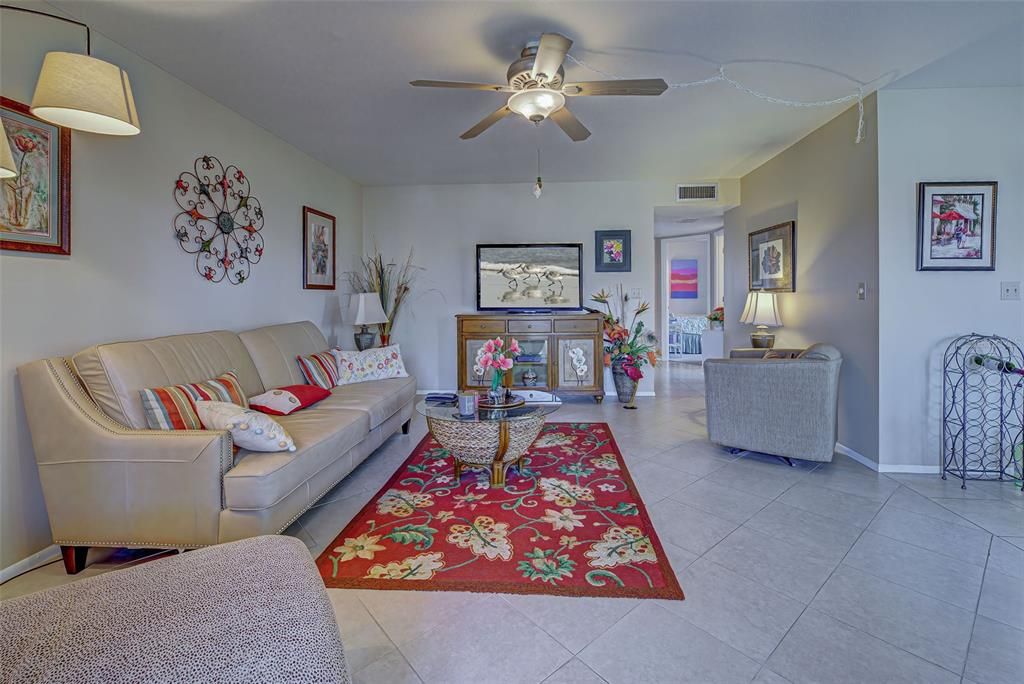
(500, 359)
(392, 283)
(629, 348)
(716, 319)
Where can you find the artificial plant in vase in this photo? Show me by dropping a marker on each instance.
(500, 359)
(627, 349)
(716, 319)
(392, 282)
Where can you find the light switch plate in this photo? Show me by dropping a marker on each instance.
(1009, 290)
(862, 291)
(636, 294)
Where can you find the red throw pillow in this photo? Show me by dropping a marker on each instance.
(285, 400)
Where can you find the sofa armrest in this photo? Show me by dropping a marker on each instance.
(785, 407)
(106, 484)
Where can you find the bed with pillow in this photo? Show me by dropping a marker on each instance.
(114, 474)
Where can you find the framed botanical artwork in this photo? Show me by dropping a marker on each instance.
(35, 206)
(683, 283)
(772, 253)
(956, 226)
(318, 248)
(612, 251)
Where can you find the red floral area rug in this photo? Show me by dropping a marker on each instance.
(571, 524)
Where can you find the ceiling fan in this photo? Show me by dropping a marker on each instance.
(536, 81)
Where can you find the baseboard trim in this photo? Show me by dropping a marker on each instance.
(37, 559)
(886, 467)
(856, 456)
(908, 469)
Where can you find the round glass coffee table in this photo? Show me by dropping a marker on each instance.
(492, 439)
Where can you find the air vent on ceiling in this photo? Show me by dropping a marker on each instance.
(696, 192)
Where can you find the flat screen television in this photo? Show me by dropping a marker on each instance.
(531, 277)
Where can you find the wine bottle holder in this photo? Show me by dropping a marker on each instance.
(982, 409)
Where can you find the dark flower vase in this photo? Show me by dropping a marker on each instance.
(625, 386)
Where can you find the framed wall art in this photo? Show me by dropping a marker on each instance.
(318, 250)
(772, 253)
(612, 251)
(684, 276)
(956, 226)
(35, 205)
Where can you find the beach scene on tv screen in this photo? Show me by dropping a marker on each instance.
(531, 277)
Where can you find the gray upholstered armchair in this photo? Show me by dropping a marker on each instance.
(786, 407)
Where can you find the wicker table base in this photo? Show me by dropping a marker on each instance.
(492, 445)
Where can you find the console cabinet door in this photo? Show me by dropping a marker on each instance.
(579, 363)
(531, 368)
(472, 379)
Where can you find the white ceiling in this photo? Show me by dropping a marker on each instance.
(332, 77)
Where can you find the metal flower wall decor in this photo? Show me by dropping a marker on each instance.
(219, 221)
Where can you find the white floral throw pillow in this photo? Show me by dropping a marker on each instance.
(249, 429)
(373, 364)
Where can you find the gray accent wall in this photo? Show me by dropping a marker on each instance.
(829, 186)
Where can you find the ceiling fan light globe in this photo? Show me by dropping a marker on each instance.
(536, 104)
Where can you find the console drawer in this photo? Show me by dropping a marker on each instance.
(484, 326)
(575, 325)
(529, 326)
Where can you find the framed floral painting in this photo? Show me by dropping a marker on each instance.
(956, 226)
(35, 206)
(612, 251)
(773, 258)
(318, 248)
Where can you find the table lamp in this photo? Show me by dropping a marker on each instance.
(364, 309)
(761, 310)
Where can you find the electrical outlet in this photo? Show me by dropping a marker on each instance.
(862, 291)
(1009, 289)
(636, 294)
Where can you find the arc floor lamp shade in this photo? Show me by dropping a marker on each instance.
(85, 94)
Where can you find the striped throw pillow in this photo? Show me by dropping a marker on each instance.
(319, 369)
(174, 408)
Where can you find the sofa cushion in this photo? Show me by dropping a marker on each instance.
(379, 399)
(260, 480)
(821, 352)
(174, 408)
(274, 349)
(114, 373)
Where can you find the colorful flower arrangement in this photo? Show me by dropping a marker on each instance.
(630, 345)
(499, 358)
(717, 315)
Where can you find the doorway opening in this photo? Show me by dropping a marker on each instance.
(690, 275)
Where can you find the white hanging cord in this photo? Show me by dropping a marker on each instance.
(721, 76)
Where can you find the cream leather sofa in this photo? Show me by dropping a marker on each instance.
(110, 481)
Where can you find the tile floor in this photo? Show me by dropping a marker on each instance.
(828, 573)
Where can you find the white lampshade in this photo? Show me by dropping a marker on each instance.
(86, 94)
(8, 169)
(364, 309)
(536, 104)
(761, 309)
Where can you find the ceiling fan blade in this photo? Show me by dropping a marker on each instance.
(460, 84)
(568, 122)
(487, 122)
(550, 55)
(637, 86)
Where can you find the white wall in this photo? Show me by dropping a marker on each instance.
(126, 276)
(829, 186)
(443, 223)
(940, 134)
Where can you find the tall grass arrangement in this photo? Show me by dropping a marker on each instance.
(391, 281)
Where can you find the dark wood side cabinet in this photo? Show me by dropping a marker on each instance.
(562, 353)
